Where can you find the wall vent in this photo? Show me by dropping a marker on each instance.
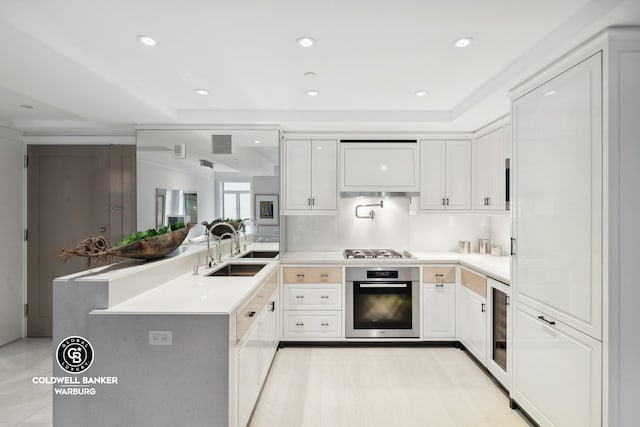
(206, 163)
(221, 144)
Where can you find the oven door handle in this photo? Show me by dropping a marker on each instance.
(382, 285)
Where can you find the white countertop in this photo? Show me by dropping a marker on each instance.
(197, 294)
(498, 268)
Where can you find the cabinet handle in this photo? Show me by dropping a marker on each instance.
(513, 246)
(484, 307)
(324, 275)
(439, 275)
(488, 201)
(251, 313)
(447, 201)
(324, 296)
(324, 324)
(299, 324)
(313, 201)
(273, 306)
(551, 322)
(443, 199)
(299, 296)
(309, 201)
(300, 275)
(439, 285)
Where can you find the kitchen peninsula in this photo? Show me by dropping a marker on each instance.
(164, 331)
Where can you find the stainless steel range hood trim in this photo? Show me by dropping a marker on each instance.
(383, 194)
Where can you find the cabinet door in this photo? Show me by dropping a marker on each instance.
(248, 375)
(268, 335)
(473, 328)
(439, 310)
(481, 172)
(432, 175)
(297, 166)
(324, 174)
(458, 174)
(558, 197)
(556, 371)
(496, 195)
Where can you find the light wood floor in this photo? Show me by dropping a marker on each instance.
(383, 386)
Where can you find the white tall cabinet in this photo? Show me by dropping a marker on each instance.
(445, 174)
(575, 150)
(310, 175)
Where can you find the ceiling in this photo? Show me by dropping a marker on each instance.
(78, 63)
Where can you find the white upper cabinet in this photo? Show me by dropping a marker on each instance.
(310, 175)
(558, 206)
(379, 167)
(489, 155)
(445, 174)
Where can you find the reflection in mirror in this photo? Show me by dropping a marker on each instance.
(220, 172)
(174, 206)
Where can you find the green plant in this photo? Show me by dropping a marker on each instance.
(152, 232)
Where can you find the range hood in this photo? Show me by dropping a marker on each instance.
(379, 168)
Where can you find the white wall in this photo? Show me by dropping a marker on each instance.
(501, 232)
(393, 227)
(11, 249)
(151, 176)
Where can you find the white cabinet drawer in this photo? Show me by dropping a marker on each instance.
(556, 370)
(312, 297)
(312, 324)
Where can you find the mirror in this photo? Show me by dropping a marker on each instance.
(174, 206)
(208, 174)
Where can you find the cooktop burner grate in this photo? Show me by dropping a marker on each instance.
(371, 253)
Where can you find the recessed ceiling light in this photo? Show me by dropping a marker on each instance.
(383, 168)
(421, 93)
(257, 141)
(202, 91)
(463, 42)
(26, 106)
(305, 41)
(147, 40)
(310, 74)
(551, 92)
(312, 92)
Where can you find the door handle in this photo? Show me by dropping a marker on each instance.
(550, 322)
(483, 308)
(273, 306)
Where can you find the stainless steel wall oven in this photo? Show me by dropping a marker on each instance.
(382, 302)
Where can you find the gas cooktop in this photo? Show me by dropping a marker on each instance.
(371, 253)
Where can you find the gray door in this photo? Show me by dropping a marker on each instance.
(73, 192)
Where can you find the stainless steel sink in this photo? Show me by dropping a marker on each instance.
(238, 270)
(260, 254)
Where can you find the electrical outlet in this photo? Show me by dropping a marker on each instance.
(160, 338)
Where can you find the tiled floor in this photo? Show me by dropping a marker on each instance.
(23, 403)
(312, 387)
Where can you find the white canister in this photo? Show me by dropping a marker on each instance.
(496, 250)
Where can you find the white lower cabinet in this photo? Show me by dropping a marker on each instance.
(556, 370)
(312, 324)
(248, 375)
(439, 310)
(321, 296)
(473, 323)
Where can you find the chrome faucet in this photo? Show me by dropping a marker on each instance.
(232, 234)
(232, 242)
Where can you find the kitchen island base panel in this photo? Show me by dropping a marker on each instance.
(186, 383)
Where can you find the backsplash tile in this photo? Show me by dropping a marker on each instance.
(392, 227)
